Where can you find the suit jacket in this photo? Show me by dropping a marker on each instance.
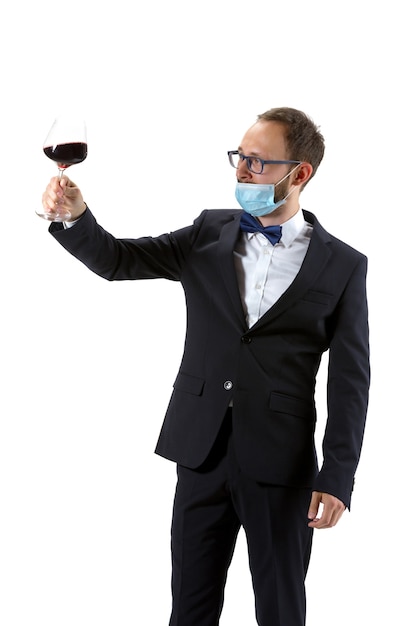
(268, 371)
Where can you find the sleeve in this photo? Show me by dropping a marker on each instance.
(347, 389)
(126, 259)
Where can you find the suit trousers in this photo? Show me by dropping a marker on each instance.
(211, 504)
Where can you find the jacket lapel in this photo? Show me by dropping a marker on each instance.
(227, 241)
(317, 256)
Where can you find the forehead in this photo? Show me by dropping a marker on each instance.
(265, 139)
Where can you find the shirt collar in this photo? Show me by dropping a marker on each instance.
(292, 228)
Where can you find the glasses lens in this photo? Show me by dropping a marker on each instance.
(234, 159)
(254, 165)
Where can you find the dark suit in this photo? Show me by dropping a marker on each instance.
(269, 370)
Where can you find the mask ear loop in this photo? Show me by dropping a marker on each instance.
(286, 176)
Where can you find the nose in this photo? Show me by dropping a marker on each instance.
(242, 172)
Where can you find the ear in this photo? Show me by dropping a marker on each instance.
(302, 174)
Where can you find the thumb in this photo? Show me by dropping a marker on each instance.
(69, 188)
(314, 505)
(65, 182)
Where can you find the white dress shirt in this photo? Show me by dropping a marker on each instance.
(265, 271)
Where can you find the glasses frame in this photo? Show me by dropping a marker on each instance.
(263, 162)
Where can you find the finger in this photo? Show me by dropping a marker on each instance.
(324, 521)
(53, 194)
(331, 514)
(50, 199)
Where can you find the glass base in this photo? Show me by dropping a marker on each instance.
(55, 216)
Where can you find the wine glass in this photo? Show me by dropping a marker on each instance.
(66, 144)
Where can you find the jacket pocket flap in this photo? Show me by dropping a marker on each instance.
(292, 406)
(189, 384)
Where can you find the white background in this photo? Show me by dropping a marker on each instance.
(87, 366)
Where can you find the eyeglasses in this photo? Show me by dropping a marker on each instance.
(254, 164)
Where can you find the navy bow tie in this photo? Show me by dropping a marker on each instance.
(250, 224)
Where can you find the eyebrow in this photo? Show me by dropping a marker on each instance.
(256, 154)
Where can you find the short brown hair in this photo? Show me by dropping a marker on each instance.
(303, 138)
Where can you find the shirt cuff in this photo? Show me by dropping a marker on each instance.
(70, 224)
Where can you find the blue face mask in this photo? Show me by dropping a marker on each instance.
(258, 199)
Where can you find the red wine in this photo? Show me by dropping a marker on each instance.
(67, 154)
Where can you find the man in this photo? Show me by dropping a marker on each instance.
(262, 309)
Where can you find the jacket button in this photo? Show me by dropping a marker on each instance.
(228, 385)
(246, 339)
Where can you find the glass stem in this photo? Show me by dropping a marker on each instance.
(60, 173)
